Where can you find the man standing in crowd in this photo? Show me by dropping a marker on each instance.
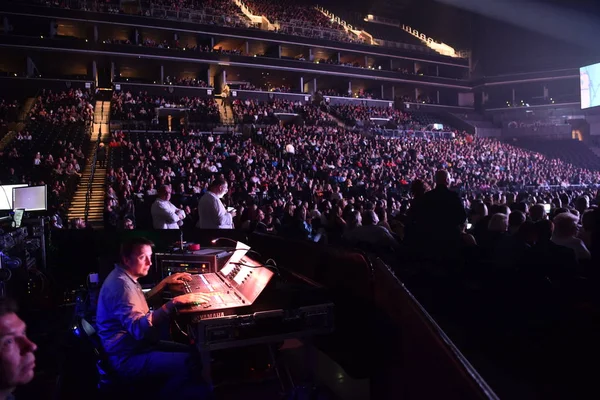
(17, 361)
(440, 215)
(212, 212)
(164, 214)
(131, 333)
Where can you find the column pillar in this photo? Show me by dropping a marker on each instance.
(30, 67)
(95, 72)
(52, 31)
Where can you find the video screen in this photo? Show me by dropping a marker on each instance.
(6, 195)
(589, 78)
(33, 198)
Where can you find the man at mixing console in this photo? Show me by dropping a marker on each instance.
(130, 332)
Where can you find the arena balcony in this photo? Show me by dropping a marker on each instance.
(42, 43)
(214, 27)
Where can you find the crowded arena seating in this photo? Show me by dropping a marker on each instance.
(52, 148)
(295, 18)
(221, 12)
(334, 159)
(569, 150)
(361, 115)
(143, 111)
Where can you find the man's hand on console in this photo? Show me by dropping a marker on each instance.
(190, 299)
(177, 278)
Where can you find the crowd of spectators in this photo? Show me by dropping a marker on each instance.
(221, 12)
(143, 107)
(293, 167)
(48, 150)
(71, 106)
(290, 11)
(358, 114)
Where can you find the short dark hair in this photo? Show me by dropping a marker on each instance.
(217, 182)
(7, 306)
(130, 244)
(516, 218)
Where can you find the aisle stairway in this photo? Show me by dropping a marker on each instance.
(226, 112)
(96, 209)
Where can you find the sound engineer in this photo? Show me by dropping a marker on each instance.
(130, 332)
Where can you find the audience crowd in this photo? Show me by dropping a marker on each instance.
(315, 180)
(143, 109)
(49, 149)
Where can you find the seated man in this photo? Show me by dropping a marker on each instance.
(130, 332)
(17, 360)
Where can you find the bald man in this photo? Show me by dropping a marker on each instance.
(164, 214)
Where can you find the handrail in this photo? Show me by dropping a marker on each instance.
(88, 193)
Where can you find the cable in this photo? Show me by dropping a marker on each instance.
(270, 259)
(179, 328)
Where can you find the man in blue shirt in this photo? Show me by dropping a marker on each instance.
(130, 332)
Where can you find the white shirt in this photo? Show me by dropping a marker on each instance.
(212, 213)
(164, 215)
(290, 149)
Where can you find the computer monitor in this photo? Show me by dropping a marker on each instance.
(6, 195)
(18, 217)
(32, 198)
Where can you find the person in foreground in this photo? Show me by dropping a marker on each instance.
(164, 214)
(211, 211)
(130, 333)
(17, 359)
